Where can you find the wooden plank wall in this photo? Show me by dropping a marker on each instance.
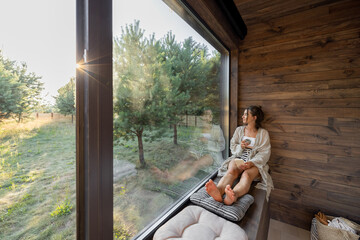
(301, 62)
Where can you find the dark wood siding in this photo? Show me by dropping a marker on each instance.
(301, 62)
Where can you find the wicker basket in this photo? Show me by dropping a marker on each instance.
(320, 231)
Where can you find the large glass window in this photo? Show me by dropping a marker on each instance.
(170, 111)
(37, 131)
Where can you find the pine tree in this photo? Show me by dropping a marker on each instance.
(19, 90)
(137, 86)
(213, 98)
(185, 65)
(29, 92)
(65, 100)
(8, 91)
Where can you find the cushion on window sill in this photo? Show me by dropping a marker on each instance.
(196, 223)
(235, 212)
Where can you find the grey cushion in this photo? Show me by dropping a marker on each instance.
(235, 212)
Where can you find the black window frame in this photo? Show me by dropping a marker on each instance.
(94, 145)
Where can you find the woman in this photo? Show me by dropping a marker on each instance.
(251, 143)
(213, 137)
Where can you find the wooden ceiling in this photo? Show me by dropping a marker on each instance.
(262, 11)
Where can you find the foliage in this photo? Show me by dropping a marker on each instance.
(191, 66)
(121, 233)
(64, 208)
(185, 66)
(8, 91)
(65, 100)
(157, 82)
(212, 99)
(137, 85)
(29, 92)
(19, 90)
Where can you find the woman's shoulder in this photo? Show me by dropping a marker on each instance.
(263, 132)
(239, 128)
(238, 131)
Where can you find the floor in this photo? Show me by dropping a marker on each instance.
(282, 231)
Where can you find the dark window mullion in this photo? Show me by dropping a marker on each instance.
(94, 120)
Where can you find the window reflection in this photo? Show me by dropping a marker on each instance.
(167, 119)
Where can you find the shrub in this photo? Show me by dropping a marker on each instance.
(63, 209)
(121, 233)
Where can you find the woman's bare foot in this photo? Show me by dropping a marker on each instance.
(213, 191)
(230, 196)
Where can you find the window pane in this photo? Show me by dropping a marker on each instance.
(37, 134)
(169, 112)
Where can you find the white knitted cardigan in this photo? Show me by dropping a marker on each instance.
(259, 155)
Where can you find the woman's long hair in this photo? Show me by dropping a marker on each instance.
(256, 111)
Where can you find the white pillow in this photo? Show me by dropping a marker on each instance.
(196, 223)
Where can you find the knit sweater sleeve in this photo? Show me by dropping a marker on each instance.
(263, 151)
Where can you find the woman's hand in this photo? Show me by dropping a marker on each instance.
(244, 144)
(247, 165)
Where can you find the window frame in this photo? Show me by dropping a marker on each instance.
(94, 146)
(94, 113)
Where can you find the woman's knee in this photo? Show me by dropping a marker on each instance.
(250, 174)
(246, 175)
(233, 170)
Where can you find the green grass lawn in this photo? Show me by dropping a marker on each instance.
(37, 180)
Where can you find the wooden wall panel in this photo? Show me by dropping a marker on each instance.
(301, 62)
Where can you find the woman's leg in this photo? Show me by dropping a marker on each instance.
(217, 191)
(230, 176)
(242, 187)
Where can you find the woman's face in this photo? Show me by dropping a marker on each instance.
(208, 116)
(247, 117)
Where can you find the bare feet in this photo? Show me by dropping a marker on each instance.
(230, 196)
(213, 191)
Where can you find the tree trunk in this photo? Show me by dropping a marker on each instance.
(175, 134)
(141, 150)
(72, 118)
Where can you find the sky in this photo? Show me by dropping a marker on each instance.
(41, 33)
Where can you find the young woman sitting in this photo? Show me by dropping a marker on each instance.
(251, 144)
